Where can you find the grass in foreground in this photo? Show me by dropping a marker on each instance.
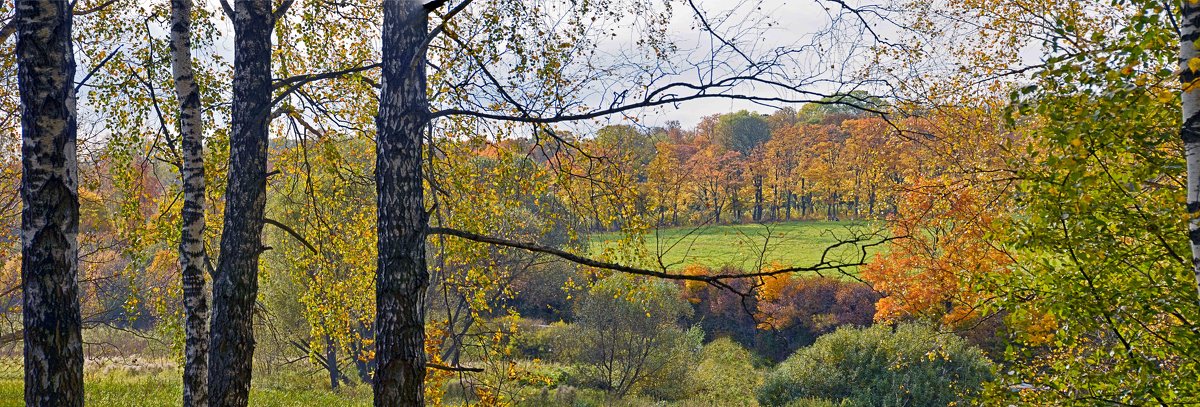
(797, 243)
(163, 387)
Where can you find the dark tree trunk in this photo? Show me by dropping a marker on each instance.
(331, 363)
(736, 205)
(235, 284)
(50, 217)
(716, 212)
(787, 206)
(871, 202)
(191, 243)
(401, 276)
(803, 200)
(775, 200)
(362, 363)
(758, 199)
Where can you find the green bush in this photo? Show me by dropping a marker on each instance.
(627, 339)
(725, 375)
(910, 366)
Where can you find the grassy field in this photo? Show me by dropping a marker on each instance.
(163, 387)
(797, 243)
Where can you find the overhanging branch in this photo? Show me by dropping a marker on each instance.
(292, 232)
(664, 96)
(825, 264)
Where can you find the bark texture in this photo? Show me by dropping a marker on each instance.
(235, 282)
(50, 217)
(401, 276)
(191, 243)
(1190, 132)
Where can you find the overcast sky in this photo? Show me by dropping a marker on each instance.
(792, 21)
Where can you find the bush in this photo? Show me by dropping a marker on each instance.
(786, 312)
(627, 339)
(797, 310)
(911, 366)
(725, 376)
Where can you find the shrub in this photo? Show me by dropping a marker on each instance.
(796, 310)
(725, 376)
(627, 338)
(910, 366)
(785, 313)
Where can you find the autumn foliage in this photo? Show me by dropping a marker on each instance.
(932, 269)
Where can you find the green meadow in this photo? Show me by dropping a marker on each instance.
(748, 246)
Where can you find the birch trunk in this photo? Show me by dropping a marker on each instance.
(191, 243)
(401, 276)
(1190, 132)
(49, 191)
(235, 283)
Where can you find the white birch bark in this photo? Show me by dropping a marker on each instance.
(49, 191)
(191, 244)
(1190, 132)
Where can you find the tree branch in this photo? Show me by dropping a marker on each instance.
(296, 82)
(8, 29)
(440, 366)
(823, 265)
(98, 7)
(292, 232)
(283, 8)
(228, 9)
(445, 19)
(663, 96)
(434, 5)
(97, 68)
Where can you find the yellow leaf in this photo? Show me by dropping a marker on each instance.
(1194, 63)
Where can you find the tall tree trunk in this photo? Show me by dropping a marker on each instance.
(804, 200)
(331, 362)
(1190, 132)
(871, 202)
(363, 364)
(716, 210)
(235, 284)
(775, 200)
(50, 217)
(758, 199)
(401, 276)
(191, 242)
(787, 205)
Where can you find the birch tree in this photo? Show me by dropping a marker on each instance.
(191, 244)
(402, 277)
(235, 281)
(49, 190)
(1189, 73)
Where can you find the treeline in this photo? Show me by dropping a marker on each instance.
(826, 161)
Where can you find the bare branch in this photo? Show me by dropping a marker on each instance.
(283, 8)
(824, 265)
(440, 366)
(292, 232)
(445, 19)
(434, 5)
(228, 9)
(97, 68)
(8, 29)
